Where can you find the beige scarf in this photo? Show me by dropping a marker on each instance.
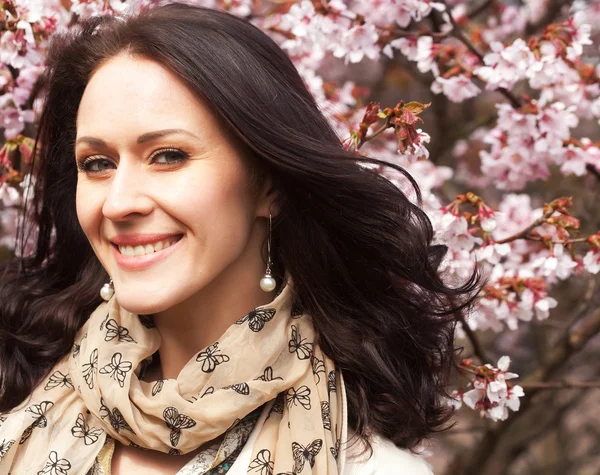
(95, 391)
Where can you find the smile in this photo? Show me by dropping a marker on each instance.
(142, 256)
(144, 249)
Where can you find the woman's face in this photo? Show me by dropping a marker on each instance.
(190, 186)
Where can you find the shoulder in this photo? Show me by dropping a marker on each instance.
(387, 459)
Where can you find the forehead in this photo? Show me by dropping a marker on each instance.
(138, 94)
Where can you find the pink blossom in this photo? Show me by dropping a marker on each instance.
(492, 253)
(591, 261)
(402, 12)
(14, 50)
(455, 233)
(543, 306)
(580, 35)
(511, 21)
(456, 88)
(359, 41)
(557, 264)
(504, 66)
(9, 196)
(524, 145)
(425, 56)
(12, 118)
(491, 396)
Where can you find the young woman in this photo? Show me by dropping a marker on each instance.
(217, 285)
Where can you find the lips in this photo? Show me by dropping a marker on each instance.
(134, 263)
(141, 239)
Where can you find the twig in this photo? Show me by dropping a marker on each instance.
(568, 241)
(593, 170)
(480, 9)
(522, 234)
(458, 34)
(379, 131)
(562, 384)
(477, 348)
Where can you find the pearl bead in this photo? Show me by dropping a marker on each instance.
(106, 292)
(267, 283)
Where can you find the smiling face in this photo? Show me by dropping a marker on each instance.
(189, 187)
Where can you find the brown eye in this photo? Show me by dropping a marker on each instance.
(175, 156)
(90, 165)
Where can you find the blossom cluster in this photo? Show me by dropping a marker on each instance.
(491, 394)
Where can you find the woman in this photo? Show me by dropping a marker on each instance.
(215, 277)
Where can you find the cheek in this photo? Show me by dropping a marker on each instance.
(88, 205)
(218, 211)
(83, 206)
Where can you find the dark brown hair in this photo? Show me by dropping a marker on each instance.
(358, 250)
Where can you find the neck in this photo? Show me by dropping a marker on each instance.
(198, 322)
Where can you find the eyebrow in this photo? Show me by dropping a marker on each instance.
(147, 137)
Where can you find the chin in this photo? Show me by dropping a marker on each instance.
(143, 306)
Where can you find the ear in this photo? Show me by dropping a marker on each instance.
(268, 199)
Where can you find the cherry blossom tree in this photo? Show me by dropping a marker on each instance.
(493, 106)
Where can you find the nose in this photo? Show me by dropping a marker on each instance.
(127, 194)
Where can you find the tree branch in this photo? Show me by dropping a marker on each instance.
(458, 34)
(562, 384)
(477, 348)
(522, 234)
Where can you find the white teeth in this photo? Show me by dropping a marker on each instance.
(140, 250)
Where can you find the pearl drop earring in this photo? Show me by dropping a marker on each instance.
(107, 290)
(267, 283)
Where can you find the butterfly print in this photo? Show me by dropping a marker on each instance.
(301, 396)
(326, 415)
(26, 434)
(303, 350)
(210, 359)
(305, 454)
(147, 321)
(257, 318)
(117, 369)
(5, 447)
(82, 431)
(331, 381)
(76, 349)
(336, 449)
(55, 466)
(174, 452)
(117, 421)
(89, 369)
(318, 367)
(209, 390)
(158, 387)
(104, 321)
(114, 330)
(58, 379)
(176, 421)
(2, 420)
(133, 444)
(39, 413)
(240, 388)
(262, 463)
(267, 375)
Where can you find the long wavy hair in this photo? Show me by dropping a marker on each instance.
(358, 250)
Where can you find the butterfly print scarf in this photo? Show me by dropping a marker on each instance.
(95, 390)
